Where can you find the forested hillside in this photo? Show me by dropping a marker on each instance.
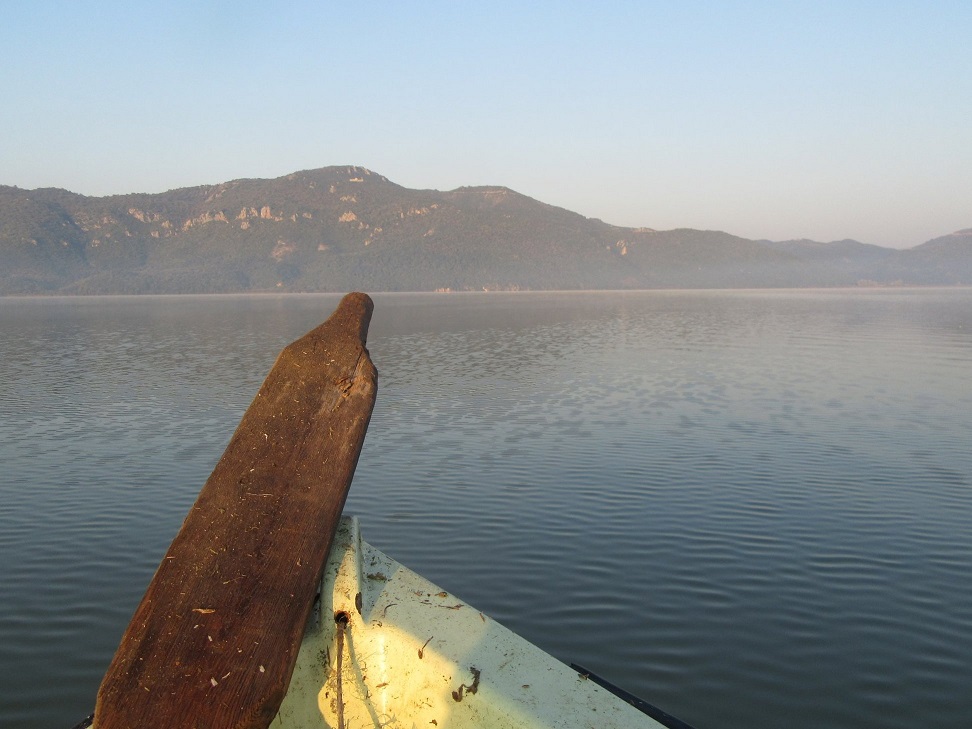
(343, 228)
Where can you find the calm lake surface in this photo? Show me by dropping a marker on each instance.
(753, 509)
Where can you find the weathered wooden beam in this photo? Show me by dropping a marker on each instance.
(214, 641)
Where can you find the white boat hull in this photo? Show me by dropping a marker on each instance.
(413, 655)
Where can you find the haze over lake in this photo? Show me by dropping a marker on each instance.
(751, 508)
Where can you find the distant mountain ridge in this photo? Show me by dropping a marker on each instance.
(343, 228)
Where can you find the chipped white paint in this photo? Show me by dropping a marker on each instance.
(417, 656)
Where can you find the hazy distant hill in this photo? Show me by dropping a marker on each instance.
(342, 228)
(945, 260)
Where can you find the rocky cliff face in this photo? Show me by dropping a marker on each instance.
(342, 228)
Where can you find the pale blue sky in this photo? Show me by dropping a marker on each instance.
(777, 120)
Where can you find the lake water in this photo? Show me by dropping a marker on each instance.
(752, 509)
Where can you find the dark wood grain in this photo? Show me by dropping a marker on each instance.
(214, 641)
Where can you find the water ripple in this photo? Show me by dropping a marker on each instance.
(751, 508)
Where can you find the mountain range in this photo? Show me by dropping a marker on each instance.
(344, 228)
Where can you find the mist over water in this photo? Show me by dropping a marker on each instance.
(750, 508)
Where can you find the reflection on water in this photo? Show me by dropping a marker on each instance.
(752, 508)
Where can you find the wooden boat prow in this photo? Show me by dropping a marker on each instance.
(414, 655)
(214, 640)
